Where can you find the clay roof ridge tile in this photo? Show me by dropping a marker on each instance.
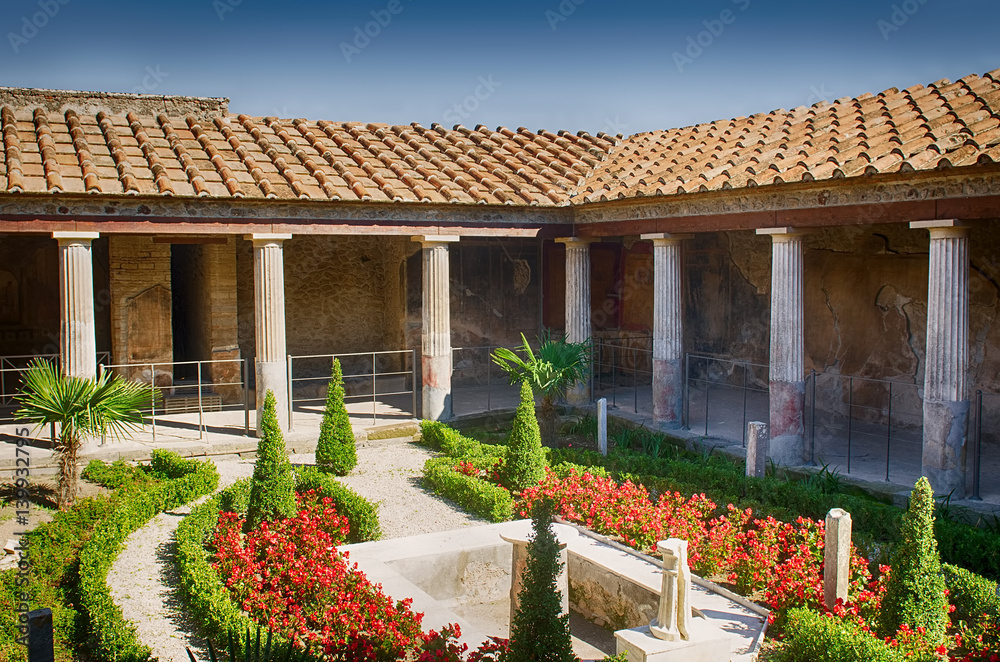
(272, 153)
(317, 173)
(263, 183)
(47, 152)
(125, 173)
(215, 156)
(91, 180)
(160, 176)
(12, 151)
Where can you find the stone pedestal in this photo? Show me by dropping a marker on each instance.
(269, 322)
(707, 644)
(668, 339)
(787, 355)
(946, 390)
(836, 557)
(602, 426)
(77, 333)
(435, 334)
(757, 446)
(577, 305)
(518, 564)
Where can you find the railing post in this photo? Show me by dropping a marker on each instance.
(812, 424)
(201, 413)
(888, 433)
(746, 367)
(489, 385)
(291, 392)
(413, 383)
(614, 378)
(152, 398)
(687, 392)
(708, 389)
(245, 369)
(374, 389)
(635, 381)
(976, 459)
(850, 419)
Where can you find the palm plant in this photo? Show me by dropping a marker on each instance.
(557, 365)
(82, 407)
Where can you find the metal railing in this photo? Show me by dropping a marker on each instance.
(361, 369)
(626, 364)
(211, 390)
(706, 372)
(991, 430)
(465, 370)
(11, 369)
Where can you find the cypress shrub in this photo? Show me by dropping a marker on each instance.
(272, 490)
(524, 462)
(915, 591)
(540, 631)
(335, 450)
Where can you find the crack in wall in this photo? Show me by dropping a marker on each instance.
(837, 338)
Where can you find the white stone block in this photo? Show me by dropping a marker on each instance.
(707, 644)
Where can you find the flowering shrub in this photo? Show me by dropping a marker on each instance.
(290, 575)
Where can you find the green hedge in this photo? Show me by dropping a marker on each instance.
(117, 475)
(361, 513)
(811, 637)
(477, 496)
(875, 523)
(971, 594)
(452, 443)
(115, 637)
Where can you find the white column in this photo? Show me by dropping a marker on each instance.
(577, 305)
(787, 355)
(668, 330)
(435, 333)
(77, 335)
(269, 322)
(946, 390)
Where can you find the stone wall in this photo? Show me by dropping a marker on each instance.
(141, 305)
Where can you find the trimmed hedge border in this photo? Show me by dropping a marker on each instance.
(207, 596)
(476, 495)
(817, 638)
(115, 637)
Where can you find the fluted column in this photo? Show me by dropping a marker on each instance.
(435, 333)
(946, 390)
(269, 322)
(77, 335)
(787, 353)
(577, 305)
(668, 330)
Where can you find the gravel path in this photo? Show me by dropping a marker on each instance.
(144, 582)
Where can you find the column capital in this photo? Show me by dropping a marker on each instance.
(435, 238)
(264, 238)
(74, 237)
(575, 241)
(942, 228)
(661, 238)
(785, 233)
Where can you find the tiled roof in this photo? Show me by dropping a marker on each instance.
(943, 125)
(238, 156)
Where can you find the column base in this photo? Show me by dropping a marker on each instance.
(946, 427)
(273, 376)
(578, 395)
(787, 438)
(668, 392)
(436, 388)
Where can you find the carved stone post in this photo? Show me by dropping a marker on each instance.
(269, 322)
(787, 364)
(77, 332)
(673, 619)
(435, 334)
(946, 390)
(836, 557)
(577, 304)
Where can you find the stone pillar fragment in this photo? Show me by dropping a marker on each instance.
(946, 390)
(757, 445)
(668, 328)
(435, 333)
(673, 618)
(77, 332)
(519, 563)
(602, 426)
(787, 353)
(578, 327)
(269, 322)
(836, 557)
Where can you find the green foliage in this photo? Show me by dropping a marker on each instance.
(272, 491)
(915, 591)
(335, 450)
(452, 443)
(117, 475)
(557, 365)
(475, 495)
(361, 513)
(539, 631)
(971, 594)
(811, 637)
(115, 637)
(250, 649)
(524, 462)
(103, 406)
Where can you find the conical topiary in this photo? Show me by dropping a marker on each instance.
(524, 461)
(335, 450)
(272, 491)
(915, 590)
(540, 631)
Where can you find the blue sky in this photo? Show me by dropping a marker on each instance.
(557, 64)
